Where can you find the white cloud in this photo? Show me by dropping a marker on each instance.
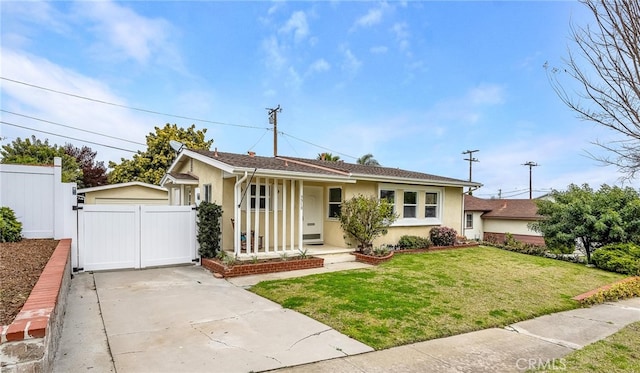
(373, 17)
(275, 56)
(124, 34)
(320, 65)
(490, 94)
(402, 34)
(351, 63)
(298, 25)
(378, 49)
(67, 110)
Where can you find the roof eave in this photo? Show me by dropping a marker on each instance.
(404, 180)
(294, 175)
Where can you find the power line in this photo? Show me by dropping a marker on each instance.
(318, 146)
(128, 107)
(67, 137)
(75, 128)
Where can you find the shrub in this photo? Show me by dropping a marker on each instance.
(10, 227)
(209, 230)
(413, 242)
(443, 236)
(364, 218)
(621, 290)
(622, 258)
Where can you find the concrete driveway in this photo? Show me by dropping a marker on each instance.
(182, 319)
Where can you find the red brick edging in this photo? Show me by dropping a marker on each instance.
(590, 293)
(371, 259)
(33, 319)
(246, 269)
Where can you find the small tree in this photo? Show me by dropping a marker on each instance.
(209, 230)
(365, 218)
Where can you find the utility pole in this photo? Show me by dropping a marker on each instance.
(273, 119)
(531, 165)
(471, 159)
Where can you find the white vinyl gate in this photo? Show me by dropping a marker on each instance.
(135, 236)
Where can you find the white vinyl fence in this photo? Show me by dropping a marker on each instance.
(135, 236)
(40, 200)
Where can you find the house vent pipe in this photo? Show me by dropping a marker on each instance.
(215, 152)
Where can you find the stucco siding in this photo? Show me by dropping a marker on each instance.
(132, 194)
(508, 226)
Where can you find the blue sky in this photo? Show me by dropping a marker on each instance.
(414, 83)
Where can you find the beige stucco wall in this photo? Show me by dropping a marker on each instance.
(132, 194)
(477, 231)
(508, 226)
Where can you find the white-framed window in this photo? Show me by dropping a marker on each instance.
(431, 202)
(410, 206)
(335, 202)
(207, 193)
(468, 221)
(259, 199)
(390, 196)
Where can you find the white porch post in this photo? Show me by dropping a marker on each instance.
(256, 236)
(300, 213)
(292, 212)
(236, 219)
(284, 215)
(247, 235)
(275, 215)
(267, 189)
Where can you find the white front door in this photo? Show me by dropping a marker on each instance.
(312, 215)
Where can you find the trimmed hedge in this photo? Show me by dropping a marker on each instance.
(622, 290)
(622, 258)
(413, 242)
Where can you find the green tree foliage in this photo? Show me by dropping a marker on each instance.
(93, 173)
(209, 229)
(590, 219)
(34, 151)
(149, 166)
(328, 157)
(368, 160)
(10, 227)
(364, 218)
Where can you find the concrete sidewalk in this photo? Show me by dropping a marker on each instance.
(542, 341)
(182, 319)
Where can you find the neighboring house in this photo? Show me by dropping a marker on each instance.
(133, 192)
(294, 202)
(487, 219)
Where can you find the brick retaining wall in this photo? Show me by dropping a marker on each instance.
(29, 343)
(246, 269)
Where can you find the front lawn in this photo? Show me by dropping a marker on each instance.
(416, 297)
(619, 352)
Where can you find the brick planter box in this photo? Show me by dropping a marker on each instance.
(272, 266)
(371, 259)
(29, 343)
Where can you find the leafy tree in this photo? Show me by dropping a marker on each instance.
(34, 151)
(365, 218)
(328, 157)
(150, 166)
(209, 230)
(606, 67)
(10, 227)
(93, 173)
(368, 160)
(590, 219)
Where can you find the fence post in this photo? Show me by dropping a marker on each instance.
(58, 199)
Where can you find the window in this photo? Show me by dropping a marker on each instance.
(431, 205)
(262, 197)
(390, 196)
(335, 202)
(410, 204)
(207, 193)
(469, 221)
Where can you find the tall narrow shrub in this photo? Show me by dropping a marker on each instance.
(364, 218)
(209, 229)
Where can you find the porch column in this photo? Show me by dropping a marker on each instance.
(275, 215)
(247, 235)
(268, 188)
(256, 236)
(292, 214)
(236, 218)
(300, 213)
(284, 215)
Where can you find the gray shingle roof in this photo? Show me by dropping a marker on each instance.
(315, 166)
(525, 209)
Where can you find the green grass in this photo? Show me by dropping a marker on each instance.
(416, 297)
(619, 352)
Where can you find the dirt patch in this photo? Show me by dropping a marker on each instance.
(20, 266)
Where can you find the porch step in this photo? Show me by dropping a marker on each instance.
(336, 257)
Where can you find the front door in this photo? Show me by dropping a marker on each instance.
(312, 215)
